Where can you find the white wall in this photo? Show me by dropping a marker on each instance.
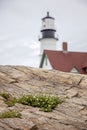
(48, 44)
(47, 64)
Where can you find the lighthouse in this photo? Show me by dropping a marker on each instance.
(48, 37)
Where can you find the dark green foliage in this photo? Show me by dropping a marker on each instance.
(4, 95)
(11, 103)
(11, 114)
(46, 103)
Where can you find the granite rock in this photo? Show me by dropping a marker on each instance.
(22, 80)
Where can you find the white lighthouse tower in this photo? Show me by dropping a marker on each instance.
(48, 38)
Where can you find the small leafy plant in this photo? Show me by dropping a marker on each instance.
(11, 114)
(45, 103)
(12, 102)
(4, 95)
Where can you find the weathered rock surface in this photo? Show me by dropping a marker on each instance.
(70, 115)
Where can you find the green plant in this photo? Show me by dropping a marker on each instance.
(12, 102)
(4, 95)
(46, 103)
(11, 114)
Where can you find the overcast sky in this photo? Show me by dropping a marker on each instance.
(20, 23)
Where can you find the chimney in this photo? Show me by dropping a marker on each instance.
(64, 47)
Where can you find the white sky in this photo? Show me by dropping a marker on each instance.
(20, 22)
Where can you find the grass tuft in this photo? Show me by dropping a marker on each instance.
(12, 102)
(11, 114)
(4, 95)
(45, 103)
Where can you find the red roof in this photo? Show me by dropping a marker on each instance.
(85, 63)
(68, 60)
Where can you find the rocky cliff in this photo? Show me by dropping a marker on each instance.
(21, 80)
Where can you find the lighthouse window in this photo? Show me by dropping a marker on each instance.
(44, 25)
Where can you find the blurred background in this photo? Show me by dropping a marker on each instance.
(20, 24)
